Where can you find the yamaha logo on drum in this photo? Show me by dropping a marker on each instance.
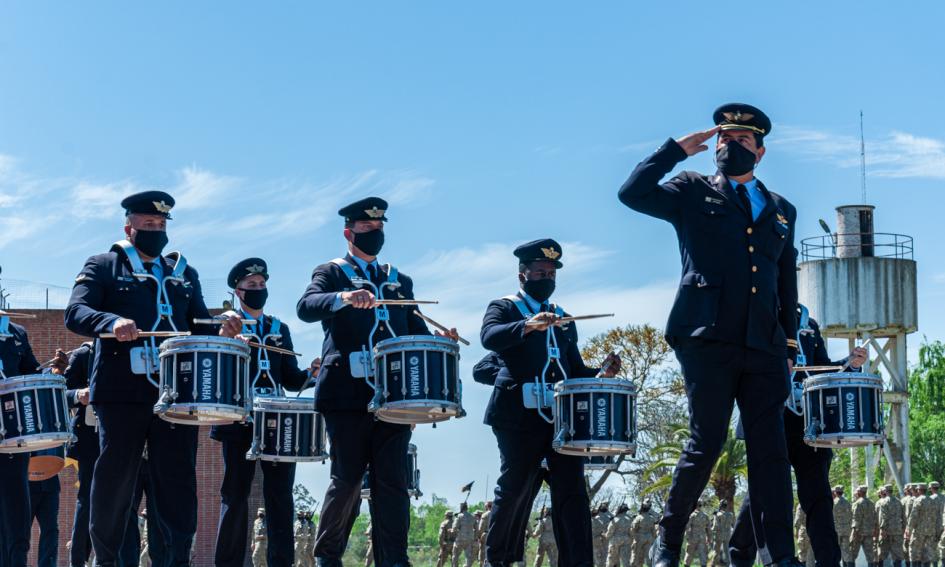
(601, 423)
(850, 411)
(414, 375)
(287, 435)
(206, 379)
(29, 420)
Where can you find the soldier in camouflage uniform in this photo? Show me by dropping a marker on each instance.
(478, 518)
(598, 529)
(544, 532)
(643, 534)
(864, 531)
(890, 520)
(446, 540)
(722, 523)
(369, 552)
(618, 538)
(464, 535)
(805, 553)
(259, 539)
(908, 497)
(483, 530)
(939, 501)
(921, 528)
(843, 520)
(698, 537)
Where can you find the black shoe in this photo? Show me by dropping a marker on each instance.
(328, 562)
(666, 557)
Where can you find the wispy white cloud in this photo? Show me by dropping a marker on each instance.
(895, 155)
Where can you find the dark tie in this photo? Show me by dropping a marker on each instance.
(544, 308)
(744, 200)
(372, 273)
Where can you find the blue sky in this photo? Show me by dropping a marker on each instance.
(485, 124)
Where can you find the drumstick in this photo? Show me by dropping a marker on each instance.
(439, 326)
(274, 349)
(220, 321)
(819, 368)
(150, 334)
(17, 315)
(570, 318)
(400, 302)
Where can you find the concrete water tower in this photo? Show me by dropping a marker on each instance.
(861, 285)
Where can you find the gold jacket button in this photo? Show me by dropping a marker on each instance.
(749, 231)
(754, 289)
(751, 249)
(754, 268)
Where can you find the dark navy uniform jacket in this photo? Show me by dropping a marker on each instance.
(283, 368)
(523, 358)
(739, 280)
(346, 330)
(77, 377)
(106, 290)
(17, 354)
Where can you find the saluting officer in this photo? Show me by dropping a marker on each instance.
(515, 328)
(733, 323)
(249, 279)
(16, 359)
(811, 465)
(114, 293)
(346, 313)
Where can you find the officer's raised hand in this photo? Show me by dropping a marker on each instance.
(125, 330)
(693, 143)
(541, 322)
(359, 299)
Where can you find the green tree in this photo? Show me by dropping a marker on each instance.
(730, 468)
(304, 501)
(927, 413)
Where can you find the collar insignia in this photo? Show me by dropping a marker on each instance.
(550, 253)
(782, 219)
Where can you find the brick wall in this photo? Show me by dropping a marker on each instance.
(47, 333)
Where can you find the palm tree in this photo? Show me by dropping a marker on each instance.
(731, 466)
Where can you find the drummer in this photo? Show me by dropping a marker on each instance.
(111, 296)
(248, 279)
(16, 359)
(515, 328)
(347, 315)
(811, 465)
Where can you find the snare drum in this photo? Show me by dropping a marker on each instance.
(287, 430)
(413, 476)
(417, 380)
(600, 463)
(595, 416)
(843, 409)
(204, 380)
(35, 414)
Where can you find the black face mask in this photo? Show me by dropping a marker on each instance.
(369, 242)
(539, 290)
(254, 298)
(151, 242)
(734, 159)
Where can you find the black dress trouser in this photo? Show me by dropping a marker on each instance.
(357, 440)
(717, 375)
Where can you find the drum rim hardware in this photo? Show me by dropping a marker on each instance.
(278, 405)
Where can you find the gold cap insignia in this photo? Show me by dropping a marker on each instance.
(161, 206)
(255, 269)
(374, 212)
(738, 116)
(550, 253)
